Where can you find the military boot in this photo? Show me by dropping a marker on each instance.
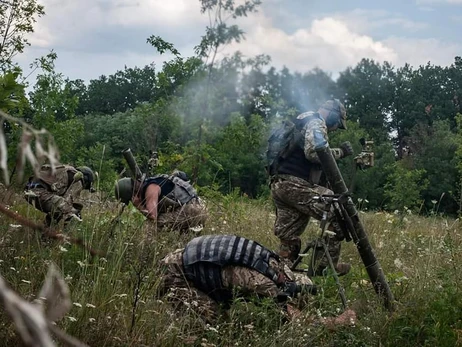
(322, 262)
(290, 249)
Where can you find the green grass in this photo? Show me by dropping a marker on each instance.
(420, 256)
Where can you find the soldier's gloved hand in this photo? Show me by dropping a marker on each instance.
(346, 148)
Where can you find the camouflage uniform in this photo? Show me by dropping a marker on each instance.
(293, 196)
(237, 279)
(190, 215)
(57, 194)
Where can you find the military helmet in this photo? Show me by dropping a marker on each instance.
(124, 190)
(337, 114)
(88, 176)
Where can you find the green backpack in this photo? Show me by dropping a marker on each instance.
(282, 141)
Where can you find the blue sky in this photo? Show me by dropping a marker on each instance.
(95, 37)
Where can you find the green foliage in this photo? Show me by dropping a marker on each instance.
(404, 187)
(11, 92)
(432, 149)
(54, 109)
(16, 20)
(240, 150)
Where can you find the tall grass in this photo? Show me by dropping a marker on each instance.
(115, 301)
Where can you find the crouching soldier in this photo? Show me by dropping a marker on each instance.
(211, 270)
(57, 192)
(169, 201)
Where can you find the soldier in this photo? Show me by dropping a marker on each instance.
(295, 173)
(170, 201)
(212, 269)
(57, 192)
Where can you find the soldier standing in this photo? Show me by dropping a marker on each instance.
(295, 173)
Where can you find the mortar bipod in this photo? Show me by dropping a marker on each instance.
(331, 202)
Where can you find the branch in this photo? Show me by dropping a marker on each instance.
(48, 232)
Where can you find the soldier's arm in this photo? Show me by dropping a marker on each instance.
(152, 195)
(310, 143)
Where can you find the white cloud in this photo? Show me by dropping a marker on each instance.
(451, 2)
(94, 37)
(327, 43)
(420, 51)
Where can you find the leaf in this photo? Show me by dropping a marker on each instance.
(55, 295)
(30, 323)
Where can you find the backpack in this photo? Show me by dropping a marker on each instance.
(282, 141)
(57, 181)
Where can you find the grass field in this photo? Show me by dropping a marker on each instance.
(115, 303)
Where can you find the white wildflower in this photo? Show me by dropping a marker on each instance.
(398, 263)
(62, 249)
(90, 306)
(25, 281)
(91, 320)
(81, 263)
(72, 319)
(77, 304)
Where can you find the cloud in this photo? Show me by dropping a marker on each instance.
(327, 43)
(76, 25)
(95, 37)
(420, 51)
(368, 21)
(449, 2)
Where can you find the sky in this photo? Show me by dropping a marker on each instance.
(99, 37)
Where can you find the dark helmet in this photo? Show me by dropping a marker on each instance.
(88, 176)
(124, 190)
(337, 114)
(181, 175)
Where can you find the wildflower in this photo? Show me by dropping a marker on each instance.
(398, 263)
(68, 278)
(81, 263)
(25, 281)
(72, 319)
(90, 306)
(91, 320)
(77, 304)
(434, 202)
(62, 249)
(396, 212)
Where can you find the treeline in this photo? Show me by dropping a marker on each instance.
(212, 118)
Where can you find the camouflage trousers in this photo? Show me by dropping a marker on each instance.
(293, 198)
(182, 293)
(55, 206)
(192, 214)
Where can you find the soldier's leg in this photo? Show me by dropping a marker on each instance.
(289, 224)
(248, 281)
(181, 293)
(298, 196)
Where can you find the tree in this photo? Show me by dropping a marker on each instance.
(16, 20)
(54, 108)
